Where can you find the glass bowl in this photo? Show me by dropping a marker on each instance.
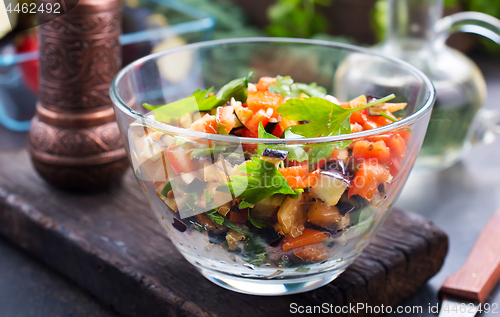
(186, 175)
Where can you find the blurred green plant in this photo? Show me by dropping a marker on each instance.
(296, 18)
(231, 19)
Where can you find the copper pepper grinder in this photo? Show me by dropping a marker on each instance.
(75, 143)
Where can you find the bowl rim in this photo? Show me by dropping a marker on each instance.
(120, 104)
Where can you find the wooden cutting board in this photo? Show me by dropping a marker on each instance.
(111, 245)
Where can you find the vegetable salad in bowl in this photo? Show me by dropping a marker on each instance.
(269, 185)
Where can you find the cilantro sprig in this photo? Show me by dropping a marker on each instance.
(286, 87)
(325, 117)
(261, 180)
(203, 100)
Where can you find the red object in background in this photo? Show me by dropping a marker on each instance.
(28, 42)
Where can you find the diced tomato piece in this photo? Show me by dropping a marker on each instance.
(253, 124)
(308, 236)
(366, 150)
(180, 160)
(396, 142)
(405, 134)
(295, 174)
(362, 118)
(263, 100)
(264, 82)
(247, 134)
(299, 177)
(238, 216)
(369, 176)
(312, 253)
(382, 121)
(354, 103)
(397, 145)
(310, 181)
(283, 125)
(225, 117)
(250, 148)
(207, 124)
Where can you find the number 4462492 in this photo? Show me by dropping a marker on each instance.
(33, 8)
(470, 308)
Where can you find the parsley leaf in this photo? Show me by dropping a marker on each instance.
(200, 101)
(166, 189)
(286, 87)
(326, 118)
(295, 151)
(255, 250)
(261, 181)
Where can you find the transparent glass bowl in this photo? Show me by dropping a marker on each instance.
(258, 263)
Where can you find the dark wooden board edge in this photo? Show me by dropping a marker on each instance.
(387, 272)
(152, 279)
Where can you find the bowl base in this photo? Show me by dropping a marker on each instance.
(269, 287)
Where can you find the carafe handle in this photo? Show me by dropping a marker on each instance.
(487, 123)
(468, 22)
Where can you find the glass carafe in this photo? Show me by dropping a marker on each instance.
(417, 34)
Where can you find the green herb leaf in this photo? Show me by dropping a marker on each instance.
(286, 87)
(166, 113)
(166, 189)
(220, 219)
(262, 180)
(295, 151)
(298, 191)
(255, 250)
(256, 222)
(302, 269)
(385, 115)
(326, 118)
(199, 100)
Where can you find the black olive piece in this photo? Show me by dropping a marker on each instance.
(279, 154)
(318, 228)
(344, 208)
(381, 188)
(268, 234)
(248, 156)
(330, 245)
(335, 165)
(337, 175)
(179, 225)
(304, 122)
(216, 238)
(358, 201)
(371, 98)
(276, 242)
(271, 125)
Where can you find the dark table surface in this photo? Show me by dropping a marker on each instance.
(459, 200)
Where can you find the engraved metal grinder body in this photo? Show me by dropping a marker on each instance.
(74, 141)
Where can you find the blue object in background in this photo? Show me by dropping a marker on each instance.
(17, 102)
